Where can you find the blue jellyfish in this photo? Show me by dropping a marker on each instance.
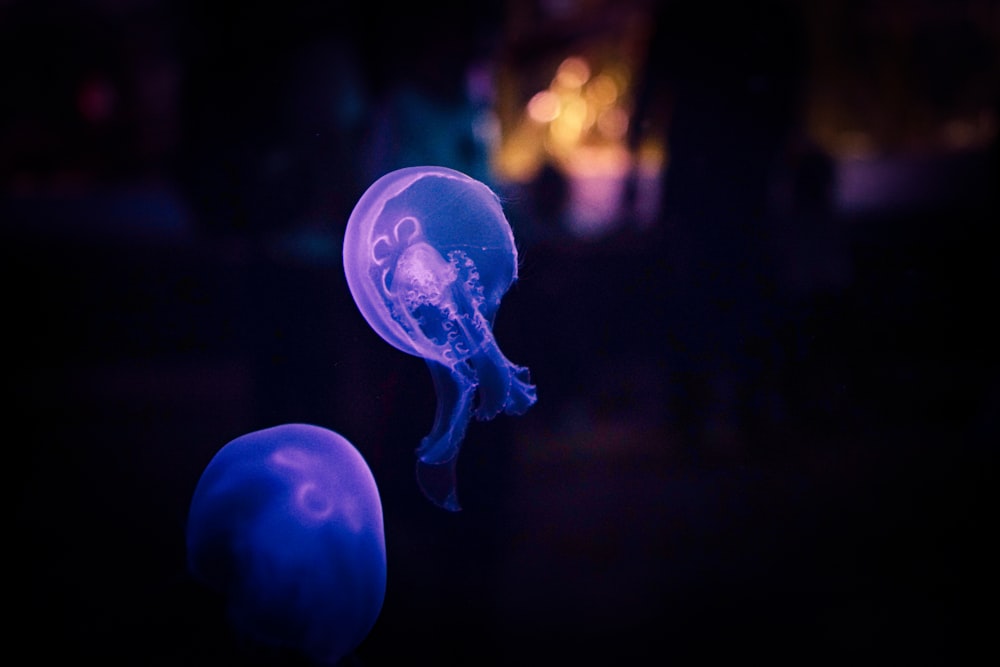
(286, 524)
(428, 254)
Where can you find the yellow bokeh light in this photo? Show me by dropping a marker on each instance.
(602, 90)
(521, 154)
(583, 110)
(613, 123)
(564, 132)
(573, 72)
(576, 111)
(544, 107)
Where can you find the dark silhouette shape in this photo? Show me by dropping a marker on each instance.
(432, 86)
(725, 86)
(273, 102)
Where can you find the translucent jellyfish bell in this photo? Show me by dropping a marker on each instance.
(428, 255)
(286, 523)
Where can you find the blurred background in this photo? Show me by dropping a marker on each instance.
(754, 294)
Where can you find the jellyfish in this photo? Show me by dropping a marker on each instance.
(286, 524)
(428, 255)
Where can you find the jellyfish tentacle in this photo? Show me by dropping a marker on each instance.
(523, 393)
(438, 482)
(437, 454)
(503, 386)
(494, 384)
(455, 387)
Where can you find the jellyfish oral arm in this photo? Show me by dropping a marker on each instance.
(475, 370)
(437, 455)
(503, 386)
(499, 386)
(491, 380)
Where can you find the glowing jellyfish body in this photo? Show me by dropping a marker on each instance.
(286, 523)
(428, 255)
